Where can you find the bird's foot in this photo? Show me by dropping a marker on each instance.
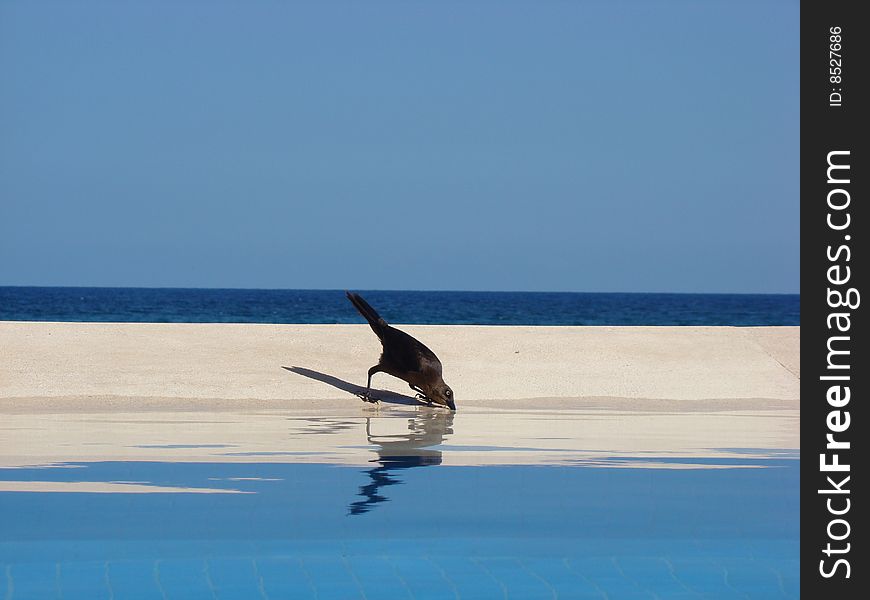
(423, 398)
(367, 397)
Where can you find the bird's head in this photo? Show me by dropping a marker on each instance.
(440, 393)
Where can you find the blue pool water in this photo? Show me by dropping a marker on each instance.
(469, 532)
(330, 306)
(406, 522)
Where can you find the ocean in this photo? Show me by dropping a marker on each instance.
(176, 305)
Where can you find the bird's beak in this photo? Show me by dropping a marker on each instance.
(451, 404)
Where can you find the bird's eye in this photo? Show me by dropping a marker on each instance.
(448, 393)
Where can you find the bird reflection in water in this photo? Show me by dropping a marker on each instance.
(402, 451)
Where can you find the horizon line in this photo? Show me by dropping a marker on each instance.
(449, 291)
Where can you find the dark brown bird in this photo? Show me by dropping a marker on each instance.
(406, 358)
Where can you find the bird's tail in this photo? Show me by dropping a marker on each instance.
(371, 315)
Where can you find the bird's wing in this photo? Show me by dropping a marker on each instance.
(407, 353)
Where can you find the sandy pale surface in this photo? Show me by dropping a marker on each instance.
(483, 364)
(73, 394)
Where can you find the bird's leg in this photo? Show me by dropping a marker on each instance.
(367, 395)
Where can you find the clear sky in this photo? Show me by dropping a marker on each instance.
(503, 145)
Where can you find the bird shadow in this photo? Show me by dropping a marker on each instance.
(357, 390)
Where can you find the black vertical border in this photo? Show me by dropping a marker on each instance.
(826, 128)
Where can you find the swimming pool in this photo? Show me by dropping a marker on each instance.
(402, 502)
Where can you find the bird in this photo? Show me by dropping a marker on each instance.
(406, 358)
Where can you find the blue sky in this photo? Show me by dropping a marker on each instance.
(580, 146)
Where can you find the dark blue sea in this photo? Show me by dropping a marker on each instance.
(175, 305)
